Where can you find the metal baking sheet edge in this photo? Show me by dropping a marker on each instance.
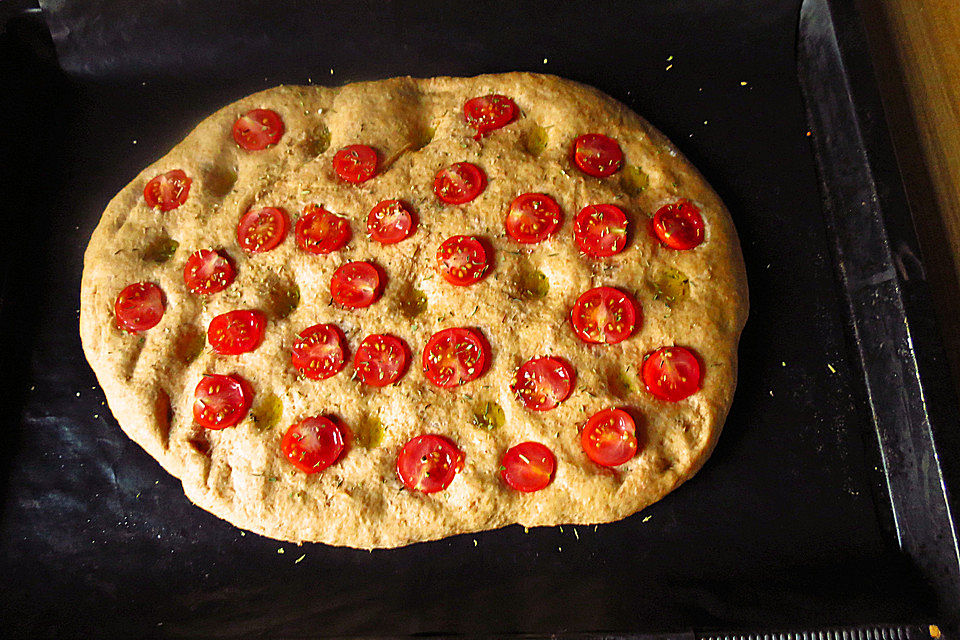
(876, 250)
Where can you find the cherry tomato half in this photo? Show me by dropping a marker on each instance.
(528, 466)
(221, 401)
(390, 221)
(610, 437)
(319, 231)
(600, 230)
(679, 225)
(237, 331)
(257, 129)
(462, 260)
(429, 463)
(597, 155)
(313, 444)
(318, 352)
(355, 285)
(543, 383)
(454, 356)
(262, 229)
(487, 113)
(459, 183)
(208, 272)
(532, 218)
(605, 315)
(671, 373)
(356, 163)
(380, 360)
(168, 190)
(139, 307)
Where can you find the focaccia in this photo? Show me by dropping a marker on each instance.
(400, 310)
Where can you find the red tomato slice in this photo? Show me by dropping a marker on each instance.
(487, 113)
(528, 466)
(605, 315)
(610, 437)
(139, 307)
(454, 356)
(532, 218)
(313, 444)
(208, 272)
(258, 129)
(459, 183)
(356, 163)
(319, 231)
(236, 332)
(462, 260)
(390, 221)
(671, 373)
(355, 285)
(429, 463)
(679, 225)
(543, 383)
(600, 230)
(318, 351)
(168, 190)
(597, 155)
(262, 229)
(221, 401)
(380, 360)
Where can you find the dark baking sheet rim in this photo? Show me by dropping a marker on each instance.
(878, 261)
(912, 412)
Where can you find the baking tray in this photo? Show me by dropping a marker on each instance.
(797, 520)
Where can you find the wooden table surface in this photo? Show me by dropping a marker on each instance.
(916, 52)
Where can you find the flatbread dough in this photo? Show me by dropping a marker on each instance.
(695, 298)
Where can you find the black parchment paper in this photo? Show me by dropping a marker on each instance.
(787, 521)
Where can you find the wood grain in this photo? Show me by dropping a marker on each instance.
(916, 51)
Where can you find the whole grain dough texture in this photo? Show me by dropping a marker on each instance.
(695, 298)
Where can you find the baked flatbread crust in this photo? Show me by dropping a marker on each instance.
(418, 127)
